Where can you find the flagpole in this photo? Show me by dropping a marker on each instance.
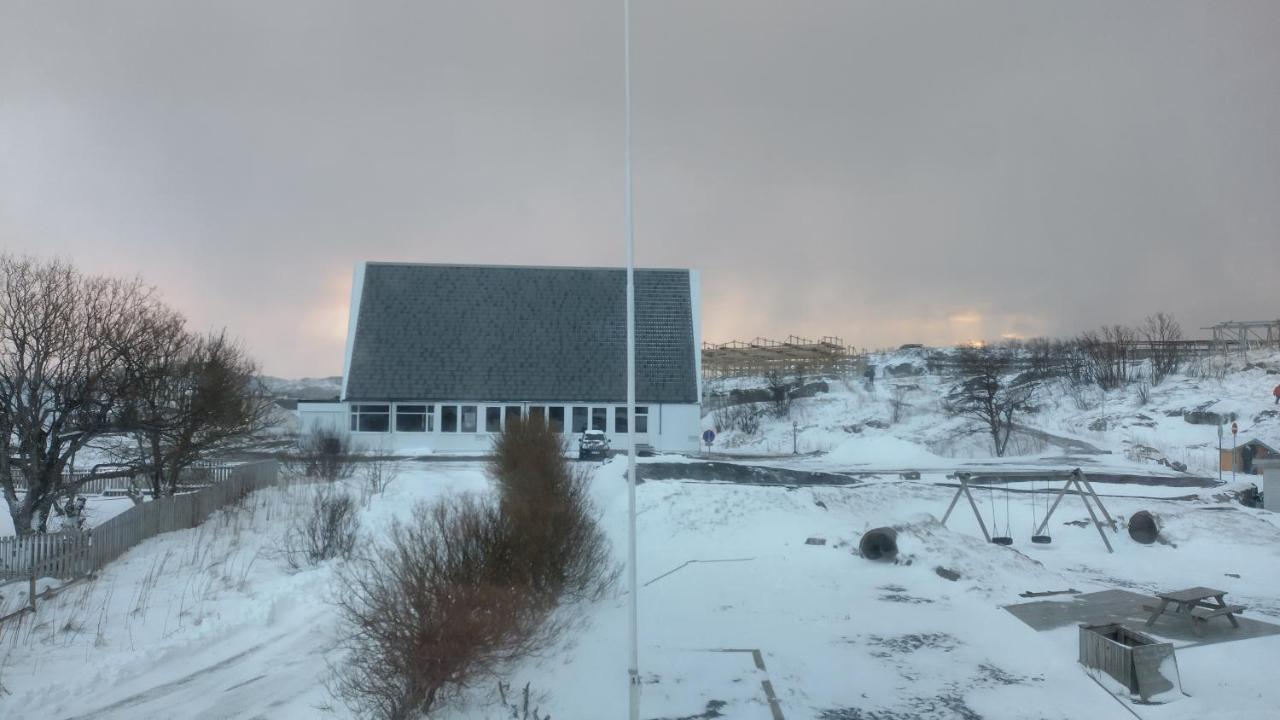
(633, 668)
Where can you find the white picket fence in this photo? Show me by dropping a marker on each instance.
(72, 554)
(59, 555)
(199, 474)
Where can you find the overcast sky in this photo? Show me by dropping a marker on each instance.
(886, 172)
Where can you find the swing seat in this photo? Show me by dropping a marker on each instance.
(1041, 539)
(1001, 540)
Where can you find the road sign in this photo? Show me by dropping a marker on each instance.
(709, 436)
(1234, 429)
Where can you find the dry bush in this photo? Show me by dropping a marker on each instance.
(375, 476)
(327, 528)
(434, 612)
(743, 418)
(323, 453)
(562, 551)
(471, 585)
(779, 394)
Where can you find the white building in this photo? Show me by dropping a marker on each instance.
(439, 357)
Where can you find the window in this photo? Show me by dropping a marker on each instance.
(513, 413)
(469, 418)
(555, 418)
(370, 418)
(493, 419)
(579, 419)
(620, 419)
(415, 418)
(448, 418)
(642, 419)
(600, 419)
(539, 413)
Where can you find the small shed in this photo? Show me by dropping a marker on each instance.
(1270, 476)
(1241, 458)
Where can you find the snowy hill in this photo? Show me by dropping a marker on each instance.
(304, 388)
(857, 423)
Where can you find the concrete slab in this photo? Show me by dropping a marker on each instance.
(1124, 607)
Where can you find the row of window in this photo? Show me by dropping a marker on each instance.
(466, 418)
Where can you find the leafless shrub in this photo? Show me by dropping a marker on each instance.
(562, 551)
(324, 454)
(434, 612)
(471, 585)
(1109, 355)
(519, 706)
(743, 418)
(1163, 335)
(898, 402)
(779, 394)
(1144, 393)
(1081, 394)
(375, 476)
(327, 528)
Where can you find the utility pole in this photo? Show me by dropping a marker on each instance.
(633, 665)
(1220, 453)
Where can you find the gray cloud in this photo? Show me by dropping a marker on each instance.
(887, 172)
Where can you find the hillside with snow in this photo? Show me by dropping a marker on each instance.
(1136, 428)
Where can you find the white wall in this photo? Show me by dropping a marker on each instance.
(316, 415)
(672, 428)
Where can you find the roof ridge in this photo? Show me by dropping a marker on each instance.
(504, 266)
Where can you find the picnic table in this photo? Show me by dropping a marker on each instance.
(1193, 603)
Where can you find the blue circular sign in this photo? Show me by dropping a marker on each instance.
(708, 436)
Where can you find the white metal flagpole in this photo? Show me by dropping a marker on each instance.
(633, 668)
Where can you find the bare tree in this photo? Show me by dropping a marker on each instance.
(779, 394)
(64, 344)
(1109, 355)
(986, 390)
(194, 395)
(898, 402)
(1163, 335)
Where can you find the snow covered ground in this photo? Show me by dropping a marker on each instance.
(211, 623)
(97, 510)
(1117, 431)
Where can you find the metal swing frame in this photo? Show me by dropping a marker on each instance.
(1074, 479)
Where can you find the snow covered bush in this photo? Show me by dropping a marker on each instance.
(327, 528)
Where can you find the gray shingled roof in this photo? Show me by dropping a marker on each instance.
(492, 333)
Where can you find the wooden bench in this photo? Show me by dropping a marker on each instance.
(1204, 614)
(1198, 605)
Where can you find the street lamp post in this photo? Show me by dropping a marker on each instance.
(633, 666)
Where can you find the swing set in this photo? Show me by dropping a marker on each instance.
(1075, 482)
